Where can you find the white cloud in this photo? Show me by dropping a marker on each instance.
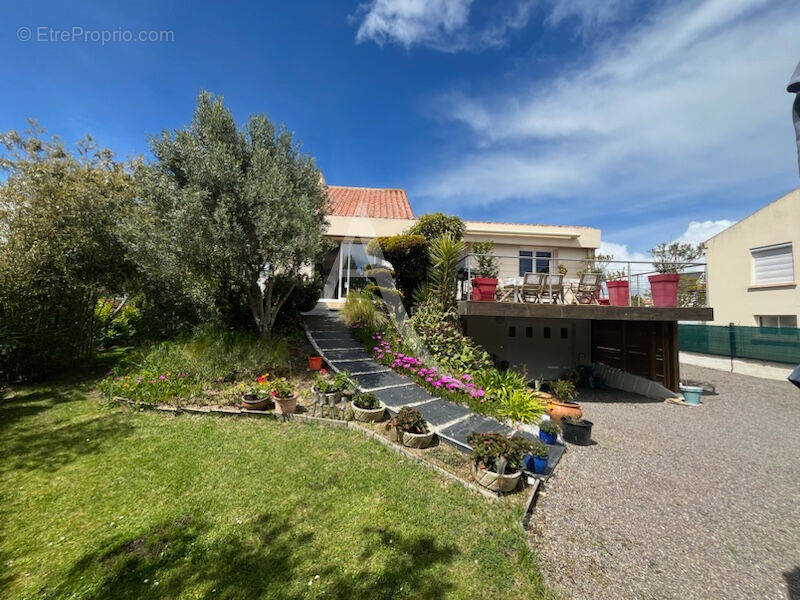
(690, 101)
(590, 14)
(699, 231)
(438, 24)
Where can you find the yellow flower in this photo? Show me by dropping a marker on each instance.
(126, 385)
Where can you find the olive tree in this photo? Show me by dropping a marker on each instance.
(241, 206)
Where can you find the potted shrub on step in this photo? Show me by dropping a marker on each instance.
(563, 404)
(497, 460)
(536, 458)
(411, 429)
(284, 396)
(577, 431)
(548, 432)
(669, 260)
(484, 284)
(367, 408)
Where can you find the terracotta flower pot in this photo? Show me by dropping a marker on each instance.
(494, 481)
(484, 289)
(368, 415)
(315, 363)
(558, 410)
(664, 288)
(618, 292)
(255, 402)
(286, 406)
(418, 440)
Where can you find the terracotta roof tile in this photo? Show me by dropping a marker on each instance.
(346, 201)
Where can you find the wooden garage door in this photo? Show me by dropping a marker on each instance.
(645, 348)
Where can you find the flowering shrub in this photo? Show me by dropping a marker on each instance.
(281, 388)
(428, 376)
(149, 387)
(488, 447)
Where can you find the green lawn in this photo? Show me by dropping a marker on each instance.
(99, 502)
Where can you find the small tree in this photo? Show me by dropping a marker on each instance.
(61, 248)
(487, 262)
(408, 255)
(674, 257)
(240, 206)
(435, 225)
(445, 253)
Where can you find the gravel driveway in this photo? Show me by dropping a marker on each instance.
(679, 502)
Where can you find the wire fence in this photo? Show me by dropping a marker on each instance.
(777, 344)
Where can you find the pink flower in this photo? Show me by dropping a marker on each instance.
(162, 377)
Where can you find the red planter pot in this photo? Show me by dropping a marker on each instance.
(618, 292)
(664, 288)
(315, 363)
(484, 289)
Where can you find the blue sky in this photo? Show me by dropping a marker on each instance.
(651, 120)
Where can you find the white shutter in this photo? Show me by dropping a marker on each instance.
(773, 264)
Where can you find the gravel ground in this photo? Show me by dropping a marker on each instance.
(679, 502)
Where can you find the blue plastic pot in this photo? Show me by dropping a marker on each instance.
(535, 464)
(547, 438)
(691, 394)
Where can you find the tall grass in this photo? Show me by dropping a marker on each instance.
(363, 308)
(214, 354)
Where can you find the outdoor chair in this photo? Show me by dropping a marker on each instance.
(586, 289)
(531, 289)
(507, 290)
(552, 287)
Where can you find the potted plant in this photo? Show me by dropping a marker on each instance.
(258, 398)
(548, 432)
(618, 288)
(345, 384)
(325, 393)
(484, 284)
(577, 431)
(367, 407)
(497, 460)
(284, 396)
(536, 457)
(563, 404)
(411, 429)
(314, 363)
(668, 261)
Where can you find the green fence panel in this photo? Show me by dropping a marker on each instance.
(778, 344)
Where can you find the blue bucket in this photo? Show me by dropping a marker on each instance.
(547, 438)
(535, 464)
(691, 394)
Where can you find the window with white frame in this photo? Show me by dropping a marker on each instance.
(773, 264)
(776, 320)
(534, 261)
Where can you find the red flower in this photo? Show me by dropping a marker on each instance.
(323, 371)
(260, 379)
(273, 393)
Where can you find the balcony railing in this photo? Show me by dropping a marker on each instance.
(691, 286)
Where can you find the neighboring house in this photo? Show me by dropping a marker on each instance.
(357, 215)
(753, 267)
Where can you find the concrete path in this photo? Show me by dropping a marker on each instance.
(452, 422)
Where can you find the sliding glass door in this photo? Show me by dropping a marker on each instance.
(345, 270)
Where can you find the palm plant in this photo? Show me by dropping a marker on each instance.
(445, 254)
